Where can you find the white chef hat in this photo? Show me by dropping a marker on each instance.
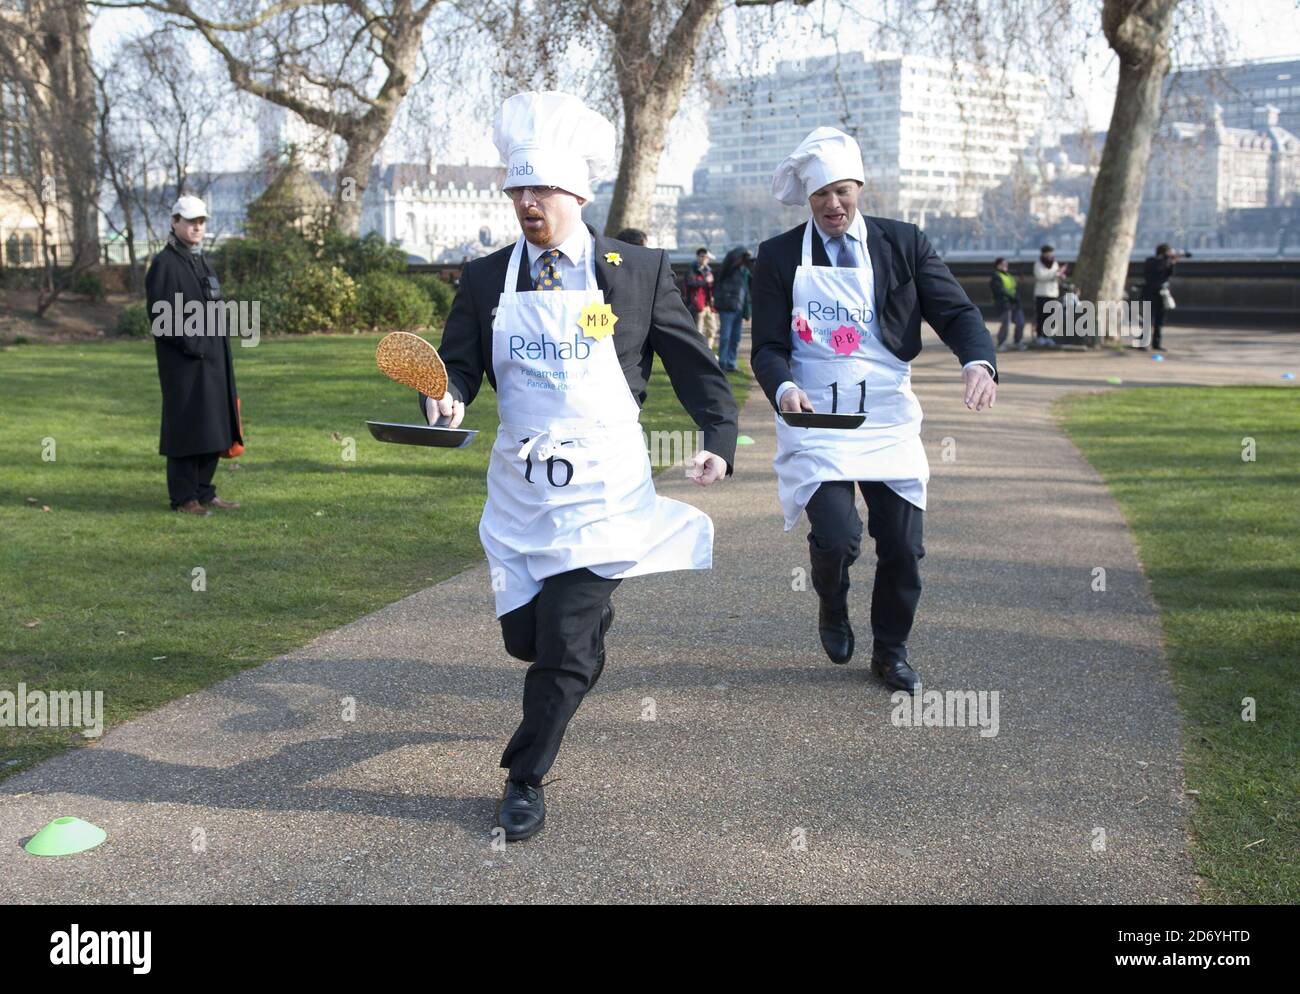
(825, 156)
(551, 138)
(189, 208)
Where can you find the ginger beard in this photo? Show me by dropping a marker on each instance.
(547, 222)
(535, 224)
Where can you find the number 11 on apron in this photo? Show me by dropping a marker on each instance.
(839, 361)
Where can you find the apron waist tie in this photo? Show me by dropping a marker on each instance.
(545, 444)
(548, 441)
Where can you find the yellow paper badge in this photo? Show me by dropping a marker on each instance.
(597, 320)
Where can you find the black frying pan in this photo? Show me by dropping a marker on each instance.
(811, 419)
(435, 435)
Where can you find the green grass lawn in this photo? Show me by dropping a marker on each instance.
(106, 574)
(1219, 539)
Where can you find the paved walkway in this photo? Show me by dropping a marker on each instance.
(758, 741)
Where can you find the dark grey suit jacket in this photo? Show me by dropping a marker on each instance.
(652, 319)
(911, 283)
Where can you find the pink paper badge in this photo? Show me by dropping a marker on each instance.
(802, 328)
(845, 339)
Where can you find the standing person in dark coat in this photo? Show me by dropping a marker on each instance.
(199, 417)
(1156, 271)
(731, 298)
(699, 296)
(1006, 298)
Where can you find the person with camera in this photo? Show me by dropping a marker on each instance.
(200, 417)
(1156, 273)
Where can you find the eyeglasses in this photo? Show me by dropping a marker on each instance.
(516, 193)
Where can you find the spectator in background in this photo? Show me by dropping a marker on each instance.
(1048, 274)
(633, 236)
(731, 298)
(699, 296)
(1006, 298)
(200, 414)
(1156, 272)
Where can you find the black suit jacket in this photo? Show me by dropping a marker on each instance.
(911, 283)
(652, 319)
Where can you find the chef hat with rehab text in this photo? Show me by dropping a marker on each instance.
(825, 156)
(550, 138)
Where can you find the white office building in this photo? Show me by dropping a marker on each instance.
(440, 213)
(935, 135)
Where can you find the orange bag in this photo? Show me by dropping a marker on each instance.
(236, 450)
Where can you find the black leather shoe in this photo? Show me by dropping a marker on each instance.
(897, 675)
(606, 619)
(837, 635)
(522, 811)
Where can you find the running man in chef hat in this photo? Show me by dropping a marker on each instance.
(565, 324)
(838, 303)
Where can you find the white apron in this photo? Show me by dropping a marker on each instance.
(830, 303)
(569, 482)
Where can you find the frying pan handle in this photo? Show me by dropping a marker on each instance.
(444, 421)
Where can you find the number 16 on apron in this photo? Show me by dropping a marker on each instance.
(569, 482)
(838, 360)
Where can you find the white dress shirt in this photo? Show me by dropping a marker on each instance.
(572, 263)
(857, 236)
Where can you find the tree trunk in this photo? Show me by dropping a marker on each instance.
(66, 31)
(354, 177)
(365, 135)
(1138, 31)
(645, 132)
(651, 85)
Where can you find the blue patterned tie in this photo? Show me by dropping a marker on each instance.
(548, 275)
(846, 258)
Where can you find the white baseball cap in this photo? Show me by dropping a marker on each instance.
(189, 208)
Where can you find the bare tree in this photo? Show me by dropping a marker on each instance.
(45, 57)
(343, 66)
(1138, 31)
(645, 51)
(160, 117)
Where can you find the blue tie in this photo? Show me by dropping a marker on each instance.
(846, 258)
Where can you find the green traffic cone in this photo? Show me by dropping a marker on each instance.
(65, 836)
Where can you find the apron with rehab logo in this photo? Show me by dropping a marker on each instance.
(838, 360)
(569, 483)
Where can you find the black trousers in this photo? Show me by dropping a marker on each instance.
(1011, 311)
(190, 478)
(1040, 315)
(834, 542)
(558, 631)
(1157, 319)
